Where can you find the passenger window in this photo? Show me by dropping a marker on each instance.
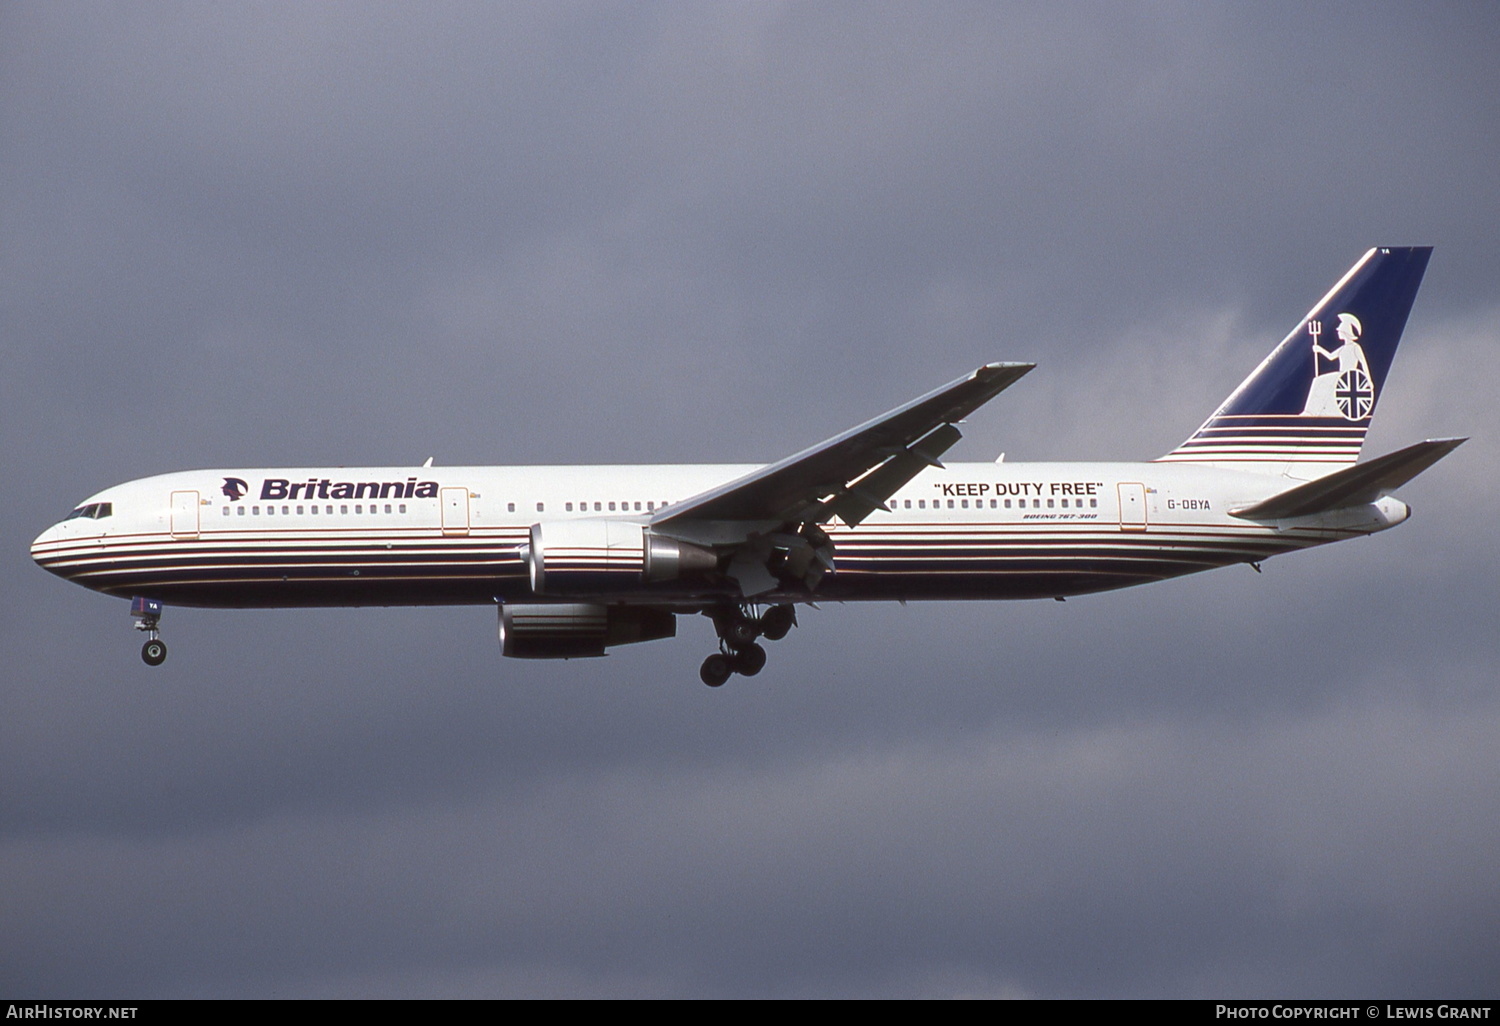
(540, 508)
(299, 511)
(567, 507)
(359, 509)
(510, 507)
(344, 510)
(226, 511)
(401, 508)
(241, 510)
(313, 510)
(599, 506)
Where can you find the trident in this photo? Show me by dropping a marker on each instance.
(1315, 329)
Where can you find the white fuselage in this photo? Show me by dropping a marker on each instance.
(457, 535)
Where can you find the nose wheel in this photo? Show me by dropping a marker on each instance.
(154, 652)
(738, 652)
(147, 613)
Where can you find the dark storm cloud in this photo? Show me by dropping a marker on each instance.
(298, 233)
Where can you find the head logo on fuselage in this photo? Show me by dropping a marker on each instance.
(235, 488)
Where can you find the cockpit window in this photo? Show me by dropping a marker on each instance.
(94, 511)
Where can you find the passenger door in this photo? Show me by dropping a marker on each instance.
(1132, 506)
(455, 503)
(184, 515)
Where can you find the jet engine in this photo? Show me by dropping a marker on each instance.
(577, 631)
(598, 557)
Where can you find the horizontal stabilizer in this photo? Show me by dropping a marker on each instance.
(1353, 486)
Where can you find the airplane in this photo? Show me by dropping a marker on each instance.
(580, 559)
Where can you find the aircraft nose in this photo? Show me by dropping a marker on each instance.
(43, 544)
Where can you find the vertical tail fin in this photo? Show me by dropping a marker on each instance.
(1305, 410)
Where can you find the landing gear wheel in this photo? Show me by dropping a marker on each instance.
(750, 660)
(777, 622)
(741, 632)
(715, 670)
(154, 652)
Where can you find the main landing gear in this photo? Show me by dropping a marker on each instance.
(738, 652)
(147, 613)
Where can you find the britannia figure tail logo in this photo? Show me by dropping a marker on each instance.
(1341, 386)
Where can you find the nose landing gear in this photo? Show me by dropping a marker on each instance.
(147, 613)
(738, 653)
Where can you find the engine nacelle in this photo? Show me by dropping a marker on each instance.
(578, 631)
(668, 559)
(598, 557)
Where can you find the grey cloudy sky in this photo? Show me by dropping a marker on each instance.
(241, 235)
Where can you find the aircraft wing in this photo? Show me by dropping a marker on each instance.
(852, 474)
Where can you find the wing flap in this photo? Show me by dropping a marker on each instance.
(857, 501)
(1353, 486)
